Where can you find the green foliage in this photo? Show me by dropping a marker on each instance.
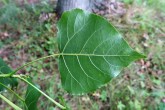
(36, 40)
(92, 51)
(120, 106)
(31, 98)
(4, 69)
(99, 55)
(103, 96)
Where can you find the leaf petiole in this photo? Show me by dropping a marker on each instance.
(29, 63)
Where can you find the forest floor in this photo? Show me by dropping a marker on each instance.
(29, 32)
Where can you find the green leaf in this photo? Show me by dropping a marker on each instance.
(92, 51)
(120, 105)
(4, 69)
(32, 96)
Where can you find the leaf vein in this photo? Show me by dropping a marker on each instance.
(74, 35)
(100, 45)
(84, 70)
(110, 63)
(90, 38)
(71, 73)
(95, 65)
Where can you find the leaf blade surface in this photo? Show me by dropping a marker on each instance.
(32, 96)
(92, 51)
(5, 69)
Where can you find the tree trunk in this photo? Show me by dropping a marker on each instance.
(64, 5)
(101, 7)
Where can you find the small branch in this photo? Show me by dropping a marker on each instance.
(14, 76)
(13, 92)
(56, 103)
(10, 103)
(21, 77)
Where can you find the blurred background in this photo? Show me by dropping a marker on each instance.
(28, 31)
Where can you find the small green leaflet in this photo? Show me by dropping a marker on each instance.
(92, 51)
(31, 98)
(4, 69)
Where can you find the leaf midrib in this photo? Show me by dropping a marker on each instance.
(101, 55)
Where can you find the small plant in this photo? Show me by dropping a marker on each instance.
(91, 53)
